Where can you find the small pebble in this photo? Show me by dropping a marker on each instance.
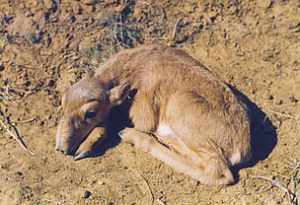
(27, 83)
(293, 99)
(51, 83)
(279, 102)
(56, 169)
(1, 67)
(18, 173)
(86, 194)
(42, 123)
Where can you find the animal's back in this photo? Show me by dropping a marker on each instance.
(149, 65)
(161, 71)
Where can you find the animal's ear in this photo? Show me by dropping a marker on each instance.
(118, 94)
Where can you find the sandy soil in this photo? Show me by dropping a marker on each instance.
(47, 45)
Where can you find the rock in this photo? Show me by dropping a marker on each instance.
(18, 173)
(86, 194)
(27, 83)
(279, 102)
(293, 99)
(2, 68)
(51, 83)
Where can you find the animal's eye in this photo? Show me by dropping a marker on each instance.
(90, 114)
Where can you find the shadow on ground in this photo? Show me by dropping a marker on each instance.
(120, 121)
(263, 133)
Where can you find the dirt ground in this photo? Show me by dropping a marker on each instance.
(47, 45)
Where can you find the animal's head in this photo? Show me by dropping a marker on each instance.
(86, 105)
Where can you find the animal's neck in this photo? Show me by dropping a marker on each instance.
(116, 73)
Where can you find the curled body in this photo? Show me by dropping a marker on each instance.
(202, 127)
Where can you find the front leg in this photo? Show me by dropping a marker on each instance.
(161, 152)
(143, 112)
(87, 148)
(136, 138)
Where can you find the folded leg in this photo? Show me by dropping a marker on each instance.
(86, 149)
(177, 161)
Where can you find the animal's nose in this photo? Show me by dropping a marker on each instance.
(61, 150)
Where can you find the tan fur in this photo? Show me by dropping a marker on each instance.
(203, 127)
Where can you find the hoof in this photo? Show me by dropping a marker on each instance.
(82, 155)
(127, 134)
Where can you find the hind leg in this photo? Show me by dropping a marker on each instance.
(213, 167)
(187, 120)
(148, 144)
(176, 160)
(176, 144)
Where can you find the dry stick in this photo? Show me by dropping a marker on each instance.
(296, 167)
(148, 187)
(16, 136)
(26, 121)
(277, 184)
(293, 177)
(174, 31)
(160, 202)
(51, 201)
(4, 95)
(293, 184)
(288, 116)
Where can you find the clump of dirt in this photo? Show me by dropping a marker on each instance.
(45, 46)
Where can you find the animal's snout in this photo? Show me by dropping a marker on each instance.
(62, 146)
(62, 150)
(63, 137)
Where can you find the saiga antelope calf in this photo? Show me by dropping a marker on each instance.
(201, 126)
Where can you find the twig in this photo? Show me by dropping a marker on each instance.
(288, 116)
(174, 31)
(282, 114)
(297, 195)
(291, 195)
(292, 181)
(15, 135)
(160, 202)
(6, 93)
(292, 176)
(26, 121)
(51, 201)
(24, 92)
(296, 167)
(149, 189)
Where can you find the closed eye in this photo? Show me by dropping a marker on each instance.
(90, 114)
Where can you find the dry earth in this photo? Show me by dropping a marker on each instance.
(47, 45)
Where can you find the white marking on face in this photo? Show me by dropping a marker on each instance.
(235, 158)
(164, 130)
